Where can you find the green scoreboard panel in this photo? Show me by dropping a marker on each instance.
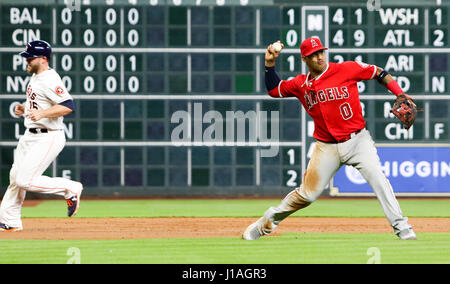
(146, 72)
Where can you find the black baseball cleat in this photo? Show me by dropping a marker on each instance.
(72, 205)
(74, 202)
(6, 228)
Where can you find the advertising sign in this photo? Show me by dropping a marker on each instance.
(418, 171)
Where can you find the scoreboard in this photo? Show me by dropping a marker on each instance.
(152, 79)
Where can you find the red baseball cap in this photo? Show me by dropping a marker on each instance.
(311, 45)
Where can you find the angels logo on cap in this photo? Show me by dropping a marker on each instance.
(311, 45)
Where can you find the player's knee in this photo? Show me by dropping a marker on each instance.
(22, 181)
(310, 198)
(309, 195)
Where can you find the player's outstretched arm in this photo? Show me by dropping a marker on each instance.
(385, 79)
(404, 107)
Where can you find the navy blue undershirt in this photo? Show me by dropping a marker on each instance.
(69, 104)
(271, 78)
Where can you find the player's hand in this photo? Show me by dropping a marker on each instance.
(19, 110)
(410, 99)
(272, 54)
(35, 114)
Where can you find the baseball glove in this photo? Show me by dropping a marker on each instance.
(405, 110)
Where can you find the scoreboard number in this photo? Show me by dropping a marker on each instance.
(66, 37)
(89, 84)
(359, 37)
(291, 154)
(338, 17)
(88, 37)
(132, 60)
(67, 82)
(292, 180)
(89, 63)
(339, 38)
(111, 16)
(133, 16)
(438, 14)
(291, 16)
(133, 38)
(66, 62)
(292, 175)
(359, 16)
(88, 13)
(66, 16)
(292, 38)
(439, 37)
(111, 63)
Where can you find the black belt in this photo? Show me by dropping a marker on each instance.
(38, 130)
(344, 139)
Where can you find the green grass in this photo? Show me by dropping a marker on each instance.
(234, 208)
(290, 248)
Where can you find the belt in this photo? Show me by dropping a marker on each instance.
(38, 130)
(345, 138)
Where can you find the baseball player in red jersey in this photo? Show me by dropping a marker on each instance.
(329, 93)
(48, 101)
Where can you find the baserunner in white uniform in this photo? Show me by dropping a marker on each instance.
(48, 101)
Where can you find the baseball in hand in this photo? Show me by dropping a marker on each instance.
(276, 46)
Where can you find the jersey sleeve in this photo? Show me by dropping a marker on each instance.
(360, 70)
(57, 91)
(284, 89)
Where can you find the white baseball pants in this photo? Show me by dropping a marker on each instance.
(33, 155)
(360, 152)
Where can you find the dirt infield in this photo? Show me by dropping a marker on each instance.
(148, 228)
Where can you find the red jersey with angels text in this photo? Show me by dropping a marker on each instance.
(331, 99)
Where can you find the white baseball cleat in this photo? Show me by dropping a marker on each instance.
(407, 234)
(253, 232)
